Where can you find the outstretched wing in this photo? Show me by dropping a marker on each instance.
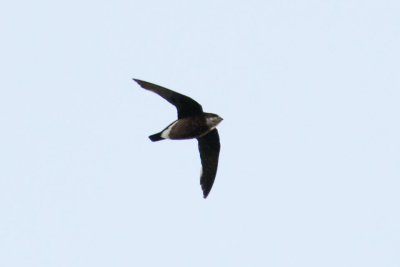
(209, 147)
(186, 106)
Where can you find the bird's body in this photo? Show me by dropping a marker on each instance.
(188, 128)
(192, 123)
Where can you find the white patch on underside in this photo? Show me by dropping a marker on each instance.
(165, 133)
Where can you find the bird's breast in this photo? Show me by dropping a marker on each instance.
(186, 128)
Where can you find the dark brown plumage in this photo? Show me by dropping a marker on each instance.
(192, 123)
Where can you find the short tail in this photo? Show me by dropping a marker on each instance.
(156, 137)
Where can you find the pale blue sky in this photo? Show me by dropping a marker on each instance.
(309, 170)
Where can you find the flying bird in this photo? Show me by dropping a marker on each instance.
(192, 123)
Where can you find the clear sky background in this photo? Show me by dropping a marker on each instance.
(309, 170)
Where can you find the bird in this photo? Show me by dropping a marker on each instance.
(192, 123)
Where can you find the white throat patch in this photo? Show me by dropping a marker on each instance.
(212, 122)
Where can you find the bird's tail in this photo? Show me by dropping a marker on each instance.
(156, 137)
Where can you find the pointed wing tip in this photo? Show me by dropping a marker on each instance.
(142, 83)
(206, 191)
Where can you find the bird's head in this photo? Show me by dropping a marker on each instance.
(213, 120)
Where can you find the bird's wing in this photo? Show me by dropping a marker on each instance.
(209, 147)
(186, 106)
